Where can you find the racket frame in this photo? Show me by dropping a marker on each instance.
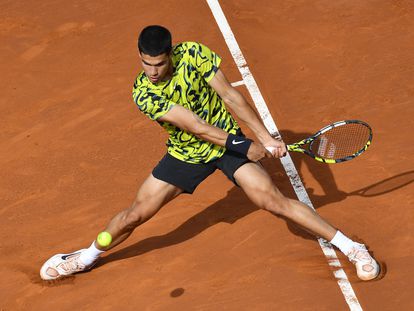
(297, 147)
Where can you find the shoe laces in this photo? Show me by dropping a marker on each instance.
(359, 253)
(72, 264)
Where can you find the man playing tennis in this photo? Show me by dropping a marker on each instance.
(184, 90)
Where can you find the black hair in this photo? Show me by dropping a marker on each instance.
(154, 40)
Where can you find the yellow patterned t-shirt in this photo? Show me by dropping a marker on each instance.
(194, 66)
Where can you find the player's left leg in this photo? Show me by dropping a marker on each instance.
(259, 187)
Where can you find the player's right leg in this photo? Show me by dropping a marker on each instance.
(152, 195)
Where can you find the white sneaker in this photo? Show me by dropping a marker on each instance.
(366, 266)
(62, 265)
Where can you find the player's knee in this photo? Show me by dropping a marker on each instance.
(278, 205)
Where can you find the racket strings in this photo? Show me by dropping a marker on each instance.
(342, 141)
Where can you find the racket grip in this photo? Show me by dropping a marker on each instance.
(270, 149)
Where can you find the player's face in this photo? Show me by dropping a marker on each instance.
(157, 68)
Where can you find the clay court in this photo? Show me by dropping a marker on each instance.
(74, 149)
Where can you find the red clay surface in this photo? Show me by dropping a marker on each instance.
(74, 149)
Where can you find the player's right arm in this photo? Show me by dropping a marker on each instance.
(190, 122)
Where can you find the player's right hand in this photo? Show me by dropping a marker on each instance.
(277, 148)
(257, 152)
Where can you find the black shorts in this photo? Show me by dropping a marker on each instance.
(188, 176)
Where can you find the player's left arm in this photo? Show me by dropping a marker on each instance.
(238, 104)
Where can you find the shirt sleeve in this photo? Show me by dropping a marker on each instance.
(205, 61)
(152, 104)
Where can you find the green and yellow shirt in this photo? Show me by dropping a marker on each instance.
(194, 66)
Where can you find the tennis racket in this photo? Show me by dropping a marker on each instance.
(338, 142)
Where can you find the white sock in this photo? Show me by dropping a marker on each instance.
(89, 255)
(342, 242)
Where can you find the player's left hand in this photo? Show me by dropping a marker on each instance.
(276, 147)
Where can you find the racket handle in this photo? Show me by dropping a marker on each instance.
(270, 149)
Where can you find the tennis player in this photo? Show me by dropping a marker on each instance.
(183, 89)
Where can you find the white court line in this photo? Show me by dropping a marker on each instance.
(238, 83)
(287, 162)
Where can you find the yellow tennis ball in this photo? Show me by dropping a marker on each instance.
(104, 239)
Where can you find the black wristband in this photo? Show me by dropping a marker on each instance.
(238, 144)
